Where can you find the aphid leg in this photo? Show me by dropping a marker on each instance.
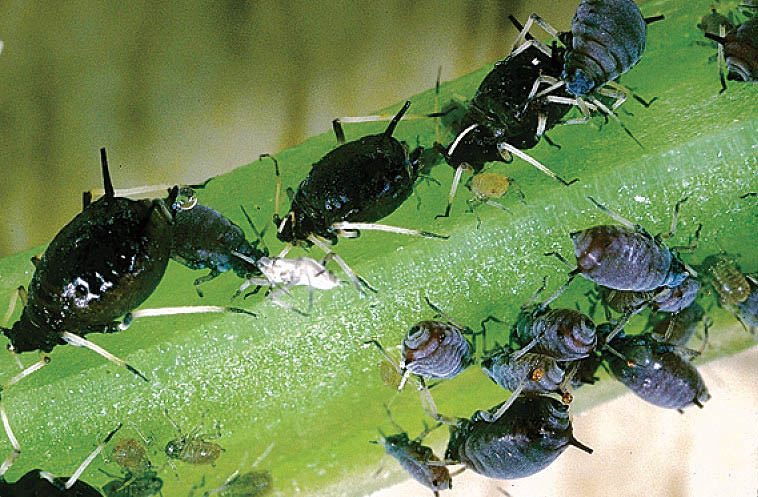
(722, 61)
(618, 95)
(12, 438)
(170, 311)
(278, 187)
(614, 215)
(279, 289)
(483, 332)
(613, 116)
(70, 482)
(622, 322)
(344, 225)
(456, 180)
(553, 82)
(437, 105)
(533, 19)
(627, 90)
(675, 219)
(359, 283)
(558, 256)
(565, 386)
(707, 323)
(78, 341)
(430, 407)
(394, 118)
(258, 234)
(532, 43)
(208, 277)
(504, 147)
(44, 361)
(491, 418)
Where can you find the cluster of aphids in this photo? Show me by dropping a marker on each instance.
(104, 264)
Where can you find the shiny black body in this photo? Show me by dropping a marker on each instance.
(103, 264)
(607, 39)
(205, 238)
(34, 485)
(656, 372)
(565, 334)
(530, 435)
(623, 258)
(502, 111)
(361, 181)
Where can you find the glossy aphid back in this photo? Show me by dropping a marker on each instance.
(32, 484)
(415, 458)
(529, 436)
(608, 38)
(435, 349)
(626, 259)
(656, 372)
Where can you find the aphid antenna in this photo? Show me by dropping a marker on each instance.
(344, 225)
(618, 328)
(258, 234)
(613, 116)
(504, 147)
(652, 19)
(430, 408)
(386, 354)
(749, 194)
(613, 214)
(10, 460)
(278, 189)
(70, 482)
(393, 124)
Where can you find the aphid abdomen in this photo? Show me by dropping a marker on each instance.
(728, 281)
(565, 334)
(657, 373)
(434, 349)
(678, 298)
(608, 39)
(748, 309)
(624, 259)
(361, 181)
(530, 435)
(538, 372)
(680, 326)
(741, 51)
(414, 459)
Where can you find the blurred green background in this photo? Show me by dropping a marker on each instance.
(182, 91)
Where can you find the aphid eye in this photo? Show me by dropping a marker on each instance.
(566, 398)
(631, 363)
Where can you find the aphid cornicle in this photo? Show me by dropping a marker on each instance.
(657, 372)
(524, 440)
(203, 238)
(349, 189)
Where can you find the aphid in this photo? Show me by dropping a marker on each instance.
(251, 484)
(524, 440)
(711, 22)
(205, 238)
(738, 49)
(663, 299)
(501, 120)
(415, 458)
(657, 372)
(528, 373)
(193, 447)
(131, 455)
(434, 349)
(748, 309)
(38, 483)
(348, 190)
(677, 328)
(723, 274)
(627, 257)
(99, 267)
(622, 302)
(285, 273)
(488, 186)
(144, 484)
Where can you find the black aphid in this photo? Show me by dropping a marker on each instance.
(524, 440)
(203, 238)
(348, 190)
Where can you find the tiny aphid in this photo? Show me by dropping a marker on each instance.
(723, 274)
(523, 441)
(131, 455)
(417, 459)
(193, 447)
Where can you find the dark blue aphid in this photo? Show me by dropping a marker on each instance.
(529, 373)
(524, 440)
(748, 309)
(415, 458)
(205, 238)
(607, 39)
(657, 372)
(565, 334)
(436, 349)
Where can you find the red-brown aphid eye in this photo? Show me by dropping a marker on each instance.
(566, 398)
(538, 374)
